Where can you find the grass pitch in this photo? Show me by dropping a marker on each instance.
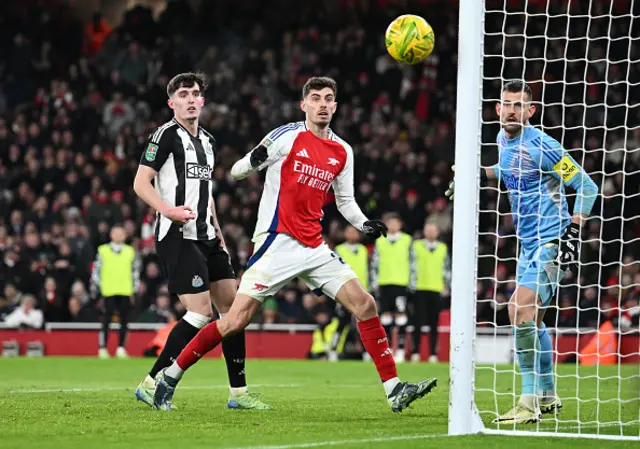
(87, 403)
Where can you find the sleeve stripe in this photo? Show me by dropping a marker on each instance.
(158, 134)
(283, 130)
(555, 158)
(279, 130)
(541, 144)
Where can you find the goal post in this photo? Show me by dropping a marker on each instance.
(582, 60)
(463, 415)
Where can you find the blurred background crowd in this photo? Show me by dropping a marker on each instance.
(79, 98)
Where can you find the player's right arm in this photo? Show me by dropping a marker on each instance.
(96, 275)
(489, 173)
(152, 160)
(373, 270)
(266, 153)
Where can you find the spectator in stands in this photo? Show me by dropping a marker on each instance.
(25, 316)
(116, 114)
(270, 313)
(95, 33)
(13, 295)
(51, 300)
(78, 313)
(5, 308)
(158, 312)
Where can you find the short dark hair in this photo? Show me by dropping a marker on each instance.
(392, 216)
(517, 86)
(188, 79)
(319, 83)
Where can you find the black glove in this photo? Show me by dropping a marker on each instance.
(569, 251)
(374, 229)
(258, 156)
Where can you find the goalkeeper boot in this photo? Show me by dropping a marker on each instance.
(526, 412)
(549, 403)
(165, 388)
(405, 393)
(144, 392)
(247, 401)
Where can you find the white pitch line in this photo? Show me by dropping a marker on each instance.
(345, 442)
(83, 390)
(594, 425)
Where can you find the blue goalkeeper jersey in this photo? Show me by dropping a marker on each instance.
(535, 169)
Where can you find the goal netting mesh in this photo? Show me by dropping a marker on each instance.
(582, 60)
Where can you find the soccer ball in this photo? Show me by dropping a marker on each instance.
(409, 39)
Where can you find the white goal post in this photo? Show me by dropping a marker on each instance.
(601, 400)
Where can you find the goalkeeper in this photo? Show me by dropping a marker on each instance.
(535, 168)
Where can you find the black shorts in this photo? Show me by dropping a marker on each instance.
(424, 308)
(191, 265)
(393, 298)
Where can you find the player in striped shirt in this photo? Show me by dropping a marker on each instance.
(535, 169)
(179, 159)
(302, 161)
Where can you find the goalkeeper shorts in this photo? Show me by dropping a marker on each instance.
(539, 271)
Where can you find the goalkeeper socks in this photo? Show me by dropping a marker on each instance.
(528, 350)
(208, 338)
(545, 371)
(178, 338)
(376, 343)
(234, 350)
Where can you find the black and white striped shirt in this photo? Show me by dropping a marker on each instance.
(185, 172)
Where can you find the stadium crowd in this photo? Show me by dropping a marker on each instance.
(79, 100)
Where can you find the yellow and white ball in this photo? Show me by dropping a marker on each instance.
(409, 39)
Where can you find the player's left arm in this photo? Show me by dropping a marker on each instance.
(346, 202)
(135, 272)
(413, 268)
(447, 272)
(95, 276)
(216, 224)
(345, 197)
(557, 162)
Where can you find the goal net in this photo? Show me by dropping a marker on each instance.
(581, 60)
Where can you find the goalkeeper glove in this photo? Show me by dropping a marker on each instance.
(449, 192)
(374, 229)
(258, 156)
(569, 248)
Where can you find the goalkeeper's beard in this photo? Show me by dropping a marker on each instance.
(513, 128)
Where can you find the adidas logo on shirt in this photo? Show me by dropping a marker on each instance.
(303, 153)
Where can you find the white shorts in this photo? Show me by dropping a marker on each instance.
(279, 258)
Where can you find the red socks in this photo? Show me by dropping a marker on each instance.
(372, 334)
(375, 342)
(208, 338)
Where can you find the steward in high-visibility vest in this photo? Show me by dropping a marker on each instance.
(356, 255)
(392, 269)
(431, 280)
(115, 277)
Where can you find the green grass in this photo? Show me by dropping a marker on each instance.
(315, 402)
